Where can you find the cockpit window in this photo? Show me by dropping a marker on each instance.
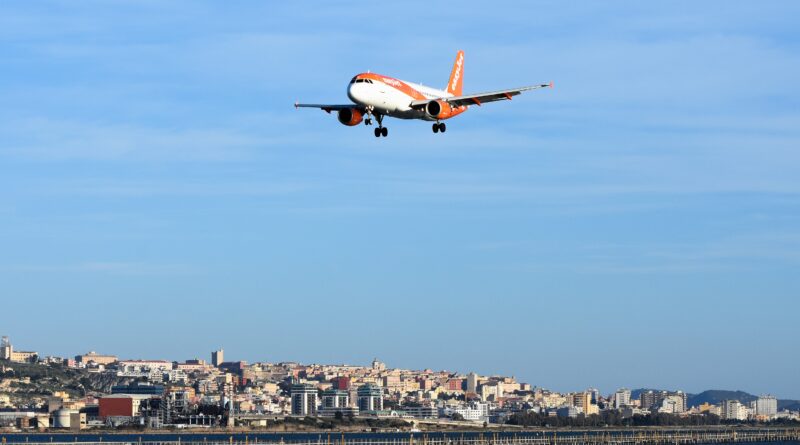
(353, 80)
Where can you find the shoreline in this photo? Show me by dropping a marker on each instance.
(449, 430)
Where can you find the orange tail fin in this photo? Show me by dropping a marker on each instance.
(456, 84)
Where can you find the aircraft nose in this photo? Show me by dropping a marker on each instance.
(351, 92)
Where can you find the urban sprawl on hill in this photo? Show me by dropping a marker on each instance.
(102, 391)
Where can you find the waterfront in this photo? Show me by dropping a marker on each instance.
(640, 436)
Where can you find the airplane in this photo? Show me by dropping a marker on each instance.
(376, 95)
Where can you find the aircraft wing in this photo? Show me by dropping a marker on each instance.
(481, 98)
(328, 108)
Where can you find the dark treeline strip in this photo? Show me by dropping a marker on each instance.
(614, 418)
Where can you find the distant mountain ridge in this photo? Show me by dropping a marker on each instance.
(716, 396)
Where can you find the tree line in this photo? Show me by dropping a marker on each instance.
(615, 418)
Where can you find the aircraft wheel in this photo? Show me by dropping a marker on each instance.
(385, 131)
(436, 127)
(442, 127)
(377, 132)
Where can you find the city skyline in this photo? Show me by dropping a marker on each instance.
(637, 225)
(210, 359)
(95, 390)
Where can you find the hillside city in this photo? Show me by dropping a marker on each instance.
(93, 390)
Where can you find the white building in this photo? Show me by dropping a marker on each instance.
(175, 375)
(766, 406)
(622, 398)
(142, 368)
(733, 410)
(475, 412)
(672, 404)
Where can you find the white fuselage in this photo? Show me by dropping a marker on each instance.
(392, 97)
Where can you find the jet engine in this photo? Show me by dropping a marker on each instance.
(350, 116)
(438, 109)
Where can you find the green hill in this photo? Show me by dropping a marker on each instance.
(716, 396)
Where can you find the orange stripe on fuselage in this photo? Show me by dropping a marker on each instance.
(394, 83)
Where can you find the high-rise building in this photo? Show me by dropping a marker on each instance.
(622, 398)
(304, 399)
(766, 406)
(217, 357)
(6, 349)
(672, 404)
(647, 399)
(370, 398)
(684, 400)
(583, 401)
(335, 398)
(595, 394)
(472, 382)
(655, 400)
(733, 410)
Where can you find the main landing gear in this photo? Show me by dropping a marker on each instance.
(381, 130)
(439, 127)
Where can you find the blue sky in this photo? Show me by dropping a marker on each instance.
(638, 225)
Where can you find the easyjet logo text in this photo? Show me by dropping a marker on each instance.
(392, 82)
(457, 74)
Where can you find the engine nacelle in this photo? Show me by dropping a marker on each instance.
(350, 116)
(438, 109)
